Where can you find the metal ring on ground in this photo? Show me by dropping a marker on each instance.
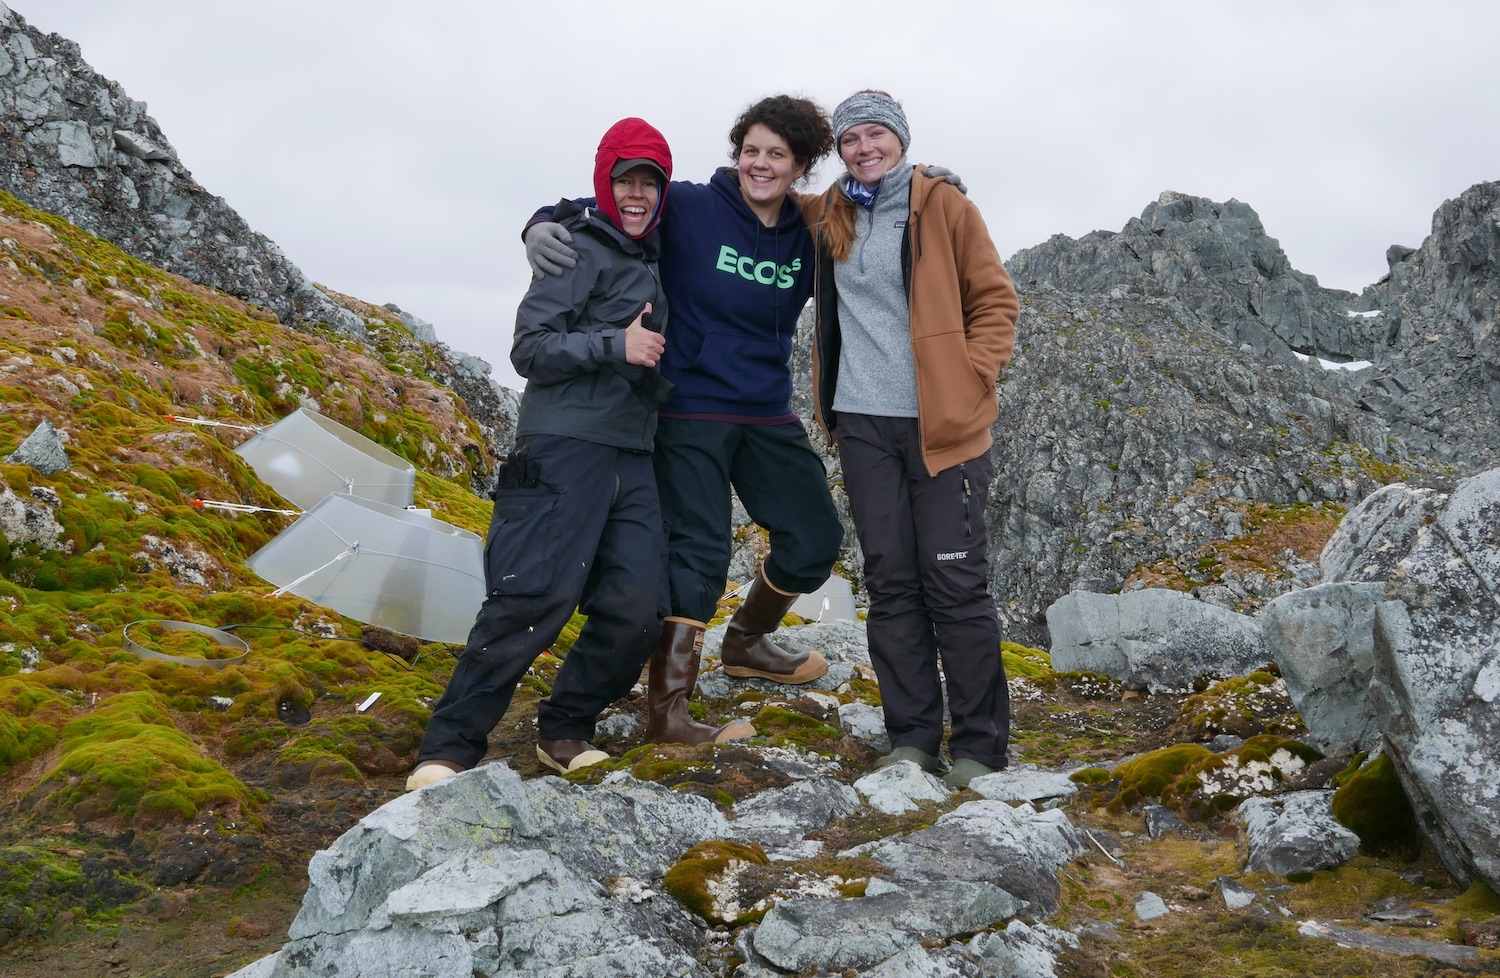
(218, 635)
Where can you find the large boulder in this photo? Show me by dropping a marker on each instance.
(485, 872)
(1378, 533)
(1153, 639)
(1436, 678)
(1323, 639)
(1294, 833)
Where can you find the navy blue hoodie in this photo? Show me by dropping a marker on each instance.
(736, 288)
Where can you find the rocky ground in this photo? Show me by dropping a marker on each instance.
(198, 930)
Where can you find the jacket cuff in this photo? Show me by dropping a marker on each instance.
(612, 344)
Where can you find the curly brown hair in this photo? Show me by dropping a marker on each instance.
(800, 121)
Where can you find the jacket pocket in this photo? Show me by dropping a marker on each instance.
(518, 553)
(748, 369)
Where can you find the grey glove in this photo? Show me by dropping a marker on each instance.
(547, 250)
(936, 172)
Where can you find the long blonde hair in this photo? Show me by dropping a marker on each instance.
(835, 228)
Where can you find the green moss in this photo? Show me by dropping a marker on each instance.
(1091, 776)
(41, 888)
(689, 878)
(647, 766)
(1478, 901)
(568, 635)
(1216, 784)
(1371, 803)
(126, 759)
(30, 720)
(781, 726)
(1021, 661)
(865, 691)
(350, 746)
(1150, 774)
(1245, 706)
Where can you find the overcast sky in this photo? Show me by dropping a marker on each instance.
(394, 150)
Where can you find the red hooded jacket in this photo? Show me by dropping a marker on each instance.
(630, 139)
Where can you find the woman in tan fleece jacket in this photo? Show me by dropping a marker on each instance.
(915, 319)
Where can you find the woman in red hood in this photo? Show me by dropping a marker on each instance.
(629, 146)
(577, 521)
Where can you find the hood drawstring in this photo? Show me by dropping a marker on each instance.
(775, 289)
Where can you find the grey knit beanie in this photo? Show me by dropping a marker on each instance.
(871, 107)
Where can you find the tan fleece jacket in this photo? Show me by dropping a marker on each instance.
(963, 311)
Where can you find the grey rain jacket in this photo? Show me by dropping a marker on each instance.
(570, 339)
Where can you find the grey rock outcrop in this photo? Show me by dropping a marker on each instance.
(899, 787)
(1378, 533)
(801, 934)
(1149, 906)
(1451, 954)
(865, 724)
(1437, 366)
(1129, 435)
(1218, 262)
(1323, 638)
(1024, 782)
(779, 820)
(1294, 833)
(82, 148)
(1406, 653)
(1436, 678)
(1016, 848)
(1236, 895)
(1153, 639)
(32, 521)
(486, 873)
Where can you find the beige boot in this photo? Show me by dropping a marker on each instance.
(431, 772)
(673, 677)
(565, 756)
(749, 653)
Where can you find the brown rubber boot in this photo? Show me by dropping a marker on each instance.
(673, 677)
(749, 653)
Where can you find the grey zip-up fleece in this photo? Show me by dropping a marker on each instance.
(876, 373)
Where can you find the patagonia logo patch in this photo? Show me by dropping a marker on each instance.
(900, 223)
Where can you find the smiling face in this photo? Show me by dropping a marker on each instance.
(767, 168)
(636, 193)
(870, 151)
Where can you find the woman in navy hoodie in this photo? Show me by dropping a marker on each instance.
(737, 268)
(577, 521)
